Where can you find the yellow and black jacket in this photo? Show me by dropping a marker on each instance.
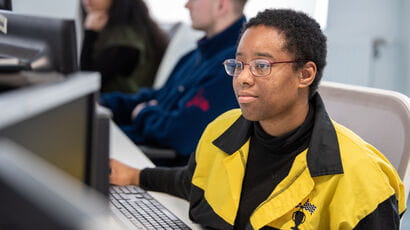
(338, 182)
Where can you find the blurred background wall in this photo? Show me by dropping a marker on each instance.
(368, 40)
(369, 43)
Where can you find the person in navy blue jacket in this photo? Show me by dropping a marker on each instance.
(196, 92)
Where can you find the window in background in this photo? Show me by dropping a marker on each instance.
(161, 10)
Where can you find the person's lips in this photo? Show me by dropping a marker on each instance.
(244, 98)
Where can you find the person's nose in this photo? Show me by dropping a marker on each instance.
(246, 76)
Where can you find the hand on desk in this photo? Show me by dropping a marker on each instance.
(141, 106)
(122, 174)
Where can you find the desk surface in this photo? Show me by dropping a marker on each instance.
(124, 150)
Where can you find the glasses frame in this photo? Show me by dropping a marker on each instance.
(252, 69)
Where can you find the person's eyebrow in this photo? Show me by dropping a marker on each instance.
(263, 54)
(258, 54)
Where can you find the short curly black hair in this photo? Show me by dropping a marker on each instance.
(304, 38)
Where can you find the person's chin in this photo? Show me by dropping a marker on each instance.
(248, 114)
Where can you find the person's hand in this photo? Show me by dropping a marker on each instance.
(141, 106)
(122, 174)
(96, 20)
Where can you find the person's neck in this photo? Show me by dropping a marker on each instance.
(222, 24)
(287, 121)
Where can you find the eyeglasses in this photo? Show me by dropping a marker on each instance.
(258, 67)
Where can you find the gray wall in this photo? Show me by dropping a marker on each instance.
(405, 25)
(52, 8)
(369, 43)
(369, 40)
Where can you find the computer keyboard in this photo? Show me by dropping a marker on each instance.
(142, 210)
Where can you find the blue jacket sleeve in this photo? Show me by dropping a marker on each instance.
(180, 128)
(122, 104)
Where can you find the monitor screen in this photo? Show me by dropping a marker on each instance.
(59, 124)
(37, 43)
(36, 195)
(60, 135)
(5, 5)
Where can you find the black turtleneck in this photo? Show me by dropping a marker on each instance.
(269, 161)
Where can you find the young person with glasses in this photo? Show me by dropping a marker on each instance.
(196, 92)
(280, 162)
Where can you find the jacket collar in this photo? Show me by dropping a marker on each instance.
(228, 37)
(323, 157)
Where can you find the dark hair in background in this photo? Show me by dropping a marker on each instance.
(303, 35)
(136, 13)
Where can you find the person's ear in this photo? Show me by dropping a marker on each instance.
(307, 74)
(223, 6)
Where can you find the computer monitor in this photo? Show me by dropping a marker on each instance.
(36, 195)
(58, 122)
(37, 43)
(5, 5)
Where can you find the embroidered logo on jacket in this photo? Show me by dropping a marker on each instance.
(299, 216)
(307, 206)
(199, 101)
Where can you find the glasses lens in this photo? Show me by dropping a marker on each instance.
(260, 67)
(232, 67)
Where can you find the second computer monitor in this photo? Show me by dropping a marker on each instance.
(57, 122)
(36, 195)
(39, 43)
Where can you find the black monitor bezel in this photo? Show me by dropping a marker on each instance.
(36, 194)
(54, 36)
